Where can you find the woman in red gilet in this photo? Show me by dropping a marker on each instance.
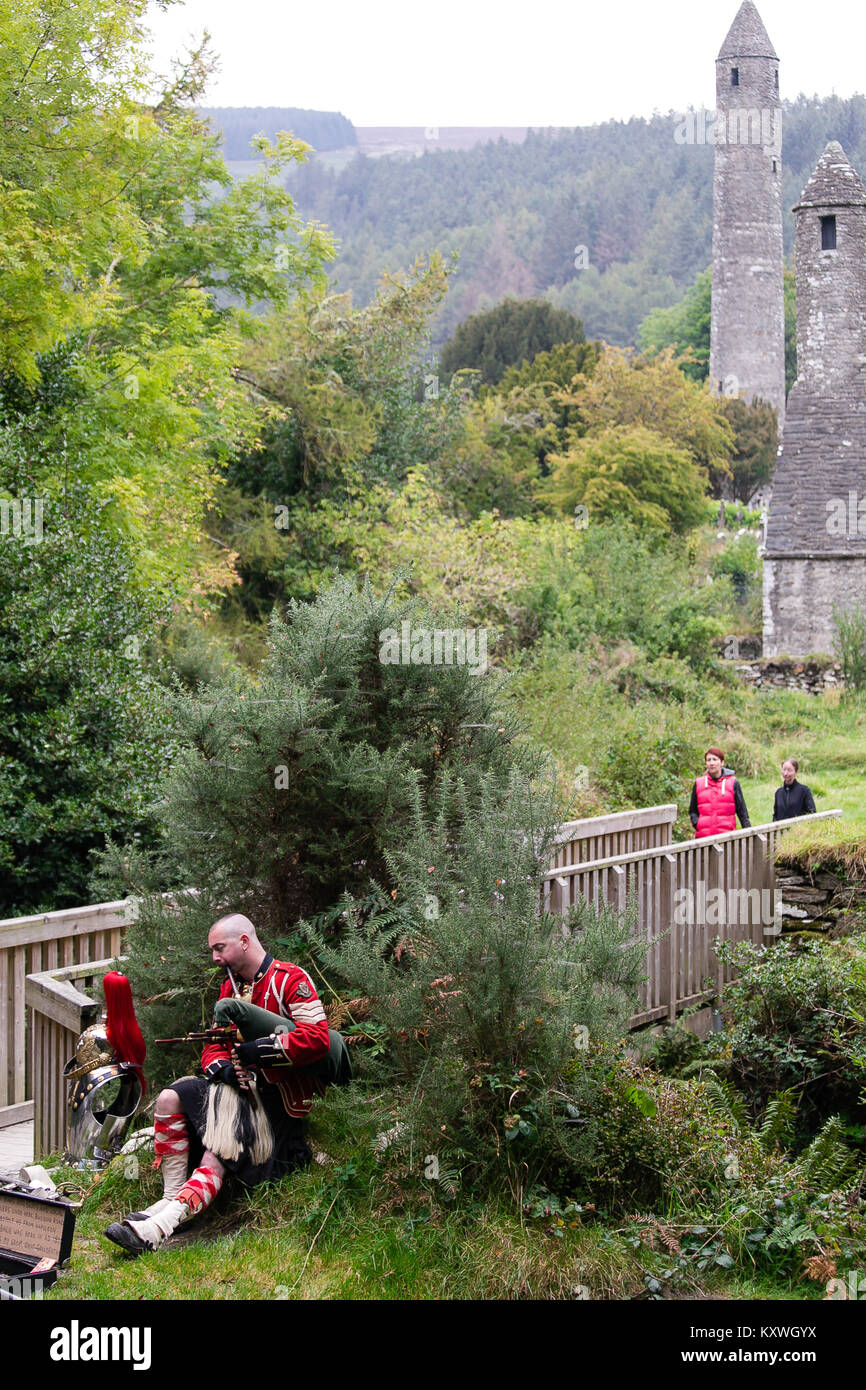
(717, 799)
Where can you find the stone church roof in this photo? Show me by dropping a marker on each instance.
(834, 184)
(819, 472)
(747, 37)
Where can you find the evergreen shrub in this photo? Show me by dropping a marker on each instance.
(293, 785)
(500, 1018)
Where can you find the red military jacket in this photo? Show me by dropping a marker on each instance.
(287, 991)
(716, 806)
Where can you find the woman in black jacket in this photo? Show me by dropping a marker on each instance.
(793, 798)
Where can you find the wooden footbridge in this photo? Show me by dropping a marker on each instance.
(685, 896)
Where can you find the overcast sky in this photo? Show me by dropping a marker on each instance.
(515, 62)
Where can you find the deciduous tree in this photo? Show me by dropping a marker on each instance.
(122, 241)
(630, 472)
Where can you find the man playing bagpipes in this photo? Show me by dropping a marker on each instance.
(269, 1054)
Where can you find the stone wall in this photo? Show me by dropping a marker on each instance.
(813, 677)
(818, 901)
(799, 597)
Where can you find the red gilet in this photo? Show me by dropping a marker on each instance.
(716, 809)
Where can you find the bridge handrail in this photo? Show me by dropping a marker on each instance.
(682, 846)
(615, 821)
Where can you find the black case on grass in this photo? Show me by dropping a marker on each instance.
(35, 1240)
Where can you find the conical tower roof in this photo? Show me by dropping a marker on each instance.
(747, 37)
(834, 184)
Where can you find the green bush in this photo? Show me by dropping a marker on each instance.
(615, 585)
(795, 1020)
(740, 560)
(83, 738)
(291, 786)
(645, 767)
(850, 645)
(497, 1017)
(686, 630)
(652, 1142)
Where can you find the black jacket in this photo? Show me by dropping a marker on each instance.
(792, 801)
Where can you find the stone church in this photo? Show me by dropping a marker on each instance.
(815, 549)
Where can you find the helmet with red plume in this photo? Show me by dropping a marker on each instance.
(121, 1025)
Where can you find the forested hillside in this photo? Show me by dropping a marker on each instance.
(639, 202)
(324, 130)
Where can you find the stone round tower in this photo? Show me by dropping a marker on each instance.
(815, 556)
(829, 254)
(747, 334)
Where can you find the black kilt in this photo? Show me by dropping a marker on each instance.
(291, 1149)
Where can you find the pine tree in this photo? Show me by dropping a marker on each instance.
(294, 787)
(513, 332)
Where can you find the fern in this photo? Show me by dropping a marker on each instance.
(828, 1162)
(777, 1127)
(725, 1102)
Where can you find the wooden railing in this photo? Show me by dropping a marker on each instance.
(32, 945)
(75, 936)
(623, 832)
(686, 895)
(62, 1003)
(48, 963)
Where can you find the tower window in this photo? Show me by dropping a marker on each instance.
(774, 166)
(735, 77)
(828, 234)
(776, 76)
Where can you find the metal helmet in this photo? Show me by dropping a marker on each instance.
(103, 1098)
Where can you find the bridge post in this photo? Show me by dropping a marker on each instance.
(715, 875)
(669, 947)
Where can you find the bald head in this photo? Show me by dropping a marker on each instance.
(234, 944)
(233, 925)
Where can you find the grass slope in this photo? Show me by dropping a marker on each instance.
(357, 1228)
